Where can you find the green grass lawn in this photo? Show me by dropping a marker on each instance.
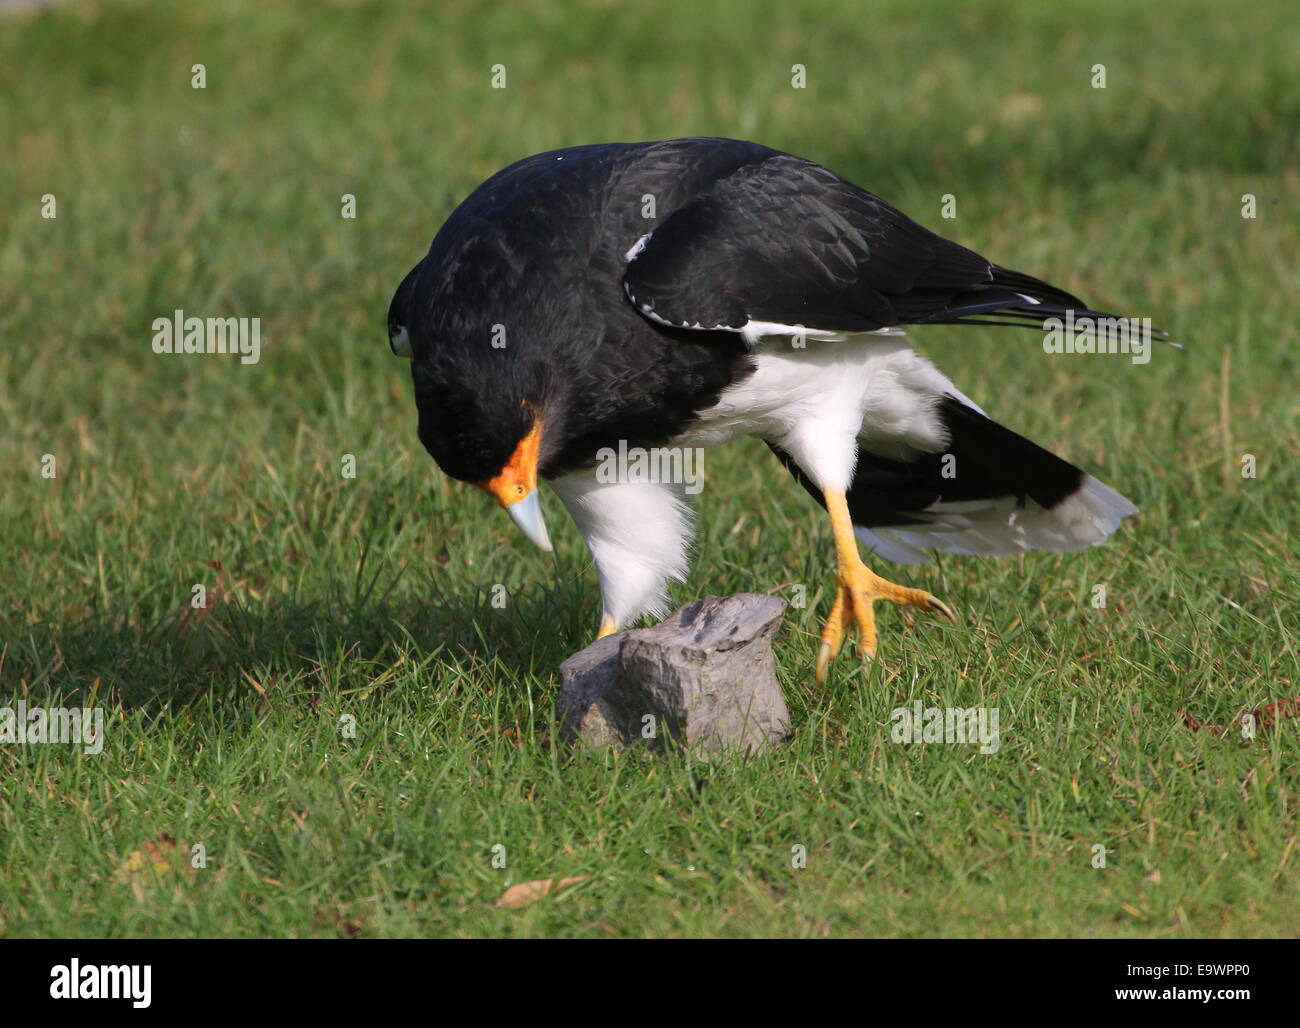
(371, 596)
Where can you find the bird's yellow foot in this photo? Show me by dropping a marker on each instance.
(858, 588)
(607, 627)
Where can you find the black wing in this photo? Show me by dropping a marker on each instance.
(786, 241)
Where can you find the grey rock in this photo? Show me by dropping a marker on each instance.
(702, 681)
(583, 707)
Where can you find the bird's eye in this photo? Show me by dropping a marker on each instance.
(400, 340)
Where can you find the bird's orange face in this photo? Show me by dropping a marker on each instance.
(515, 487)
(518, 477)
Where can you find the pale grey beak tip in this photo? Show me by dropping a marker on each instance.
(527, 515)
(400, 343)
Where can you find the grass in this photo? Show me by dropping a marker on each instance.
(370, 597)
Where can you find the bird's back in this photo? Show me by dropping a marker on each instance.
(535, 256)
(555, 223)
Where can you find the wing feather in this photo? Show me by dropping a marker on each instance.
(785, 241)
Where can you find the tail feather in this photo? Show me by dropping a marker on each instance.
(991, 492)
(1087, 517)
(1011, 299)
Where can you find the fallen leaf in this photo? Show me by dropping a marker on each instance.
(191, 616)
(160, 858)
(527, 892)
(1263, 718)
(336, 923)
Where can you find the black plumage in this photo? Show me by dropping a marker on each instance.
(626, 293)
(741, 233)
(538, 249)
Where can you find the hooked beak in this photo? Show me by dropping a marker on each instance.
(400, 343)
(527, 514)
(515, 488)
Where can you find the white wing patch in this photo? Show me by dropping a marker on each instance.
(648, 310)
(753, 331)
(637, 247)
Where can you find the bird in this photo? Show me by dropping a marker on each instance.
(687, 292)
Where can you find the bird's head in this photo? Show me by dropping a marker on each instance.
(399, 336)
(482, 413)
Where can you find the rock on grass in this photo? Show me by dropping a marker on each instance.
(702, 681)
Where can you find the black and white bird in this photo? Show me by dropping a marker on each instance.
(687, 292)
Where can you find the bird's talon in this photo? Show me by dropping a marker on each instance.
(824, 655)
(942, 609)
(858, 588)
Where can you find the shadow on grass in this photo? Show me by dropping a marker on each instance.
(242, 646)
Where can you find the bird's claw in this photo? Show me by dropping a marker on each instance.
(857, 590)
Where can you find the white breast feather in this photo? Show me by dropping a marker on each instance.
(639, 535)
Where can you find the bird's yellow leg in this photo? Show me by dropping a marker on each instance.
(857, 589)
(607, 627)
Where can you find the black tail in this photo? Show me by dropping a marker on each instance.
(1012, 298)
